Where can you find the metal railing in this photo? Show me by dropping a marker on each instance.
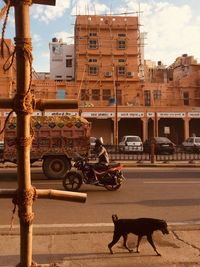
(117, 154)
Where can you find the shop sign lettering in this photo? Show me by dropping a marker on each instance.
(171, 114)
(194, 114)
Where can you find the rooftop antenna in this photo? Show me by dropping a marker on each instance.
(111, 9)
(94, 9)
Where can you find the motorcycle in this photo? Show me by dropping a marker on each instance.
(82, 172)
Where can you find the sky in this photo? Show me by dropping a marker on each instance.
(172, 27)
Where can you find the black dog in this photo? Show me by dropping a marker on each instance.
(140, 227)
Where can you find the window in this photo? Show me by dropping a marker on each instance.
(95, 94)
(186, 98)
(92, 60)
(121, 70)
(60, 94)
(92, 44)
(147, 98)
(106, 94)
(121, 34)
(68, 63)
(93, 70)
(84, 94)
(56, 49)
(92, 34)
(121, 44)
(157, 94)
(122, 60)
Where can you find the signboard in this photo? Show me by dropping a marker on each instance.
(171, 114)
(130, 114)
(60, 113)
(150, 114)
(194, 114)
(101, 115)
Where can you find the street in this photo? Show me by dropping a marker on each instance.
(170, 194)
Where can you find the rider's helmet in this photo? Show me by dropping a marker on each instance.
(99, 141)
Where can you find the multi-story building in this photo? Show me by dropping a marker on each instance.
(107, 58)
(61, 60)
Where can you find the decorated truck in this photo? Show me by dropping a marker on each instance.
(56, 141)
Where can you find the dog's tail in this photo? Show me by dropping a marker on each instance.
(114, 218)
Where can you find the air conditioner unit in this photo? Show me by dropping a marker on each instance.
(130, 74)
(108, 74)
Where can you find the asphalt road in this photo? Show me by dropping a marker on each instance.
(171, 194)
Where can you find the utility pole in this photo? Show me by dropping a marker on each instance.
(23, 104)
(116, 114)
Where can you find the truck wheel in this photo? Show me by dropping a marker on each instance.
(72, 181)
(55, 167)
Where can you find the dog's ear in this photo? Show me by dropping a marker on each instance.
(114, 217)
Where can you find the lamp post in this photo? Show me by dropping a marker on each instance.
(116, 113)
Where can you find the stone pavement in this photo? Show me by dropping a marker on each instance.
(68, 247)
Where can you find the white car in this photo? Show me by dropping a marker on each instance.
(131, 143)
(191, 144)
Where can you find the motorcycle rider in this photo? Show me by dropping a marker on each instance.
(103, 158)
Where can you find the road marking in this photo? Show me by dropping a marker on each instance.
(46, 182)
(61, 225)
(171, 182)
(78, 225)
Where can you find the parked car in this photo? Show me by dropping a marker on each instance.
(162, 145)
(131, 143)
(191, 144)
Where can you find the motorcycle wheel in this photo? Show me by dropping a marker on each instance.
(72, 181)
(112, 187)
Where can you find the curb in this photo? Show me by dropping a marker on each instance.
(130, 165)
(162, 165)
(39, 229)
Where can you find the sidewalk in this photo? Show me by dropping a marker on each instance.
(72, 247)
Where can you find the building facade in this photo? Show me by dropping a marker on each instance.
(61, 60)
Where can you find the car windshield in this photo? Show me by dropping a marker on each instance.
(197, 140)
(162, 140)
(133, 139)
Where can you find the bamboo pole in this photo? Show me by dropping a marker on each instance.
(22, 29)
(48, 194)
(42, 104)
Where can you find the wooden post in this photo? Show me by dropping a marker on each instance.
(23, 67)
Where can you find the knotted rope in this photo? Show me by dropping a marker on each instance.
(22, 103)
(23, 199)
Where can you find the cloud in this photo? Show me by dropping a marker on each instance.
(65, 36)
(41, 61)
(48, 13)
(36, 40)
(81, 7)
(172, 30)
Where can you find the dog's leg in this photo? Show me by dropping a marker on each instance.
(125, 236)
(138, 243)
(149, 238)
(116, 238)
